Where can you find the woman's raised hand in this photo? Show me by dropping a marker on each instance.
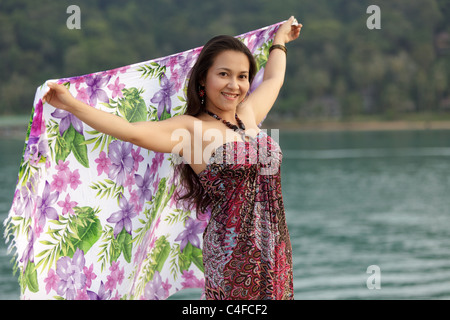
(58, 96)
(288, 31)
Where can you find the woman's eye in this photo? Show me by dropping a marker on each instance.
(223, 74)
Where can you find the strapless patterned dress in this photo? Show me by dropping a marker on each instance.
(247, 252)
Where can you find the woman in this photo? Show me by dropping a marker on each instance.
(247, 252)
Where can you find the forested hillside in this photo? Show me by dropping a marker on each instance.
(339, 68)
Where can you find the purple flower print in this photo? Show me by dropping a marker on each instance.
(256, 41)
(63, 167)
(156, 289)
(171, 62)
(77, 81)
(82, 295)
(191, 280)
(129, 182)
(190, 234)
(137, 158)
(82, 95)
(116, 88)
(121, 161)
(44, 205)
(144, 183)
(51, 282)
(38, 124)
(162, 97)
(32, 151)
(122, 218)
(67, 205)
(90, 275)
(67, 119)
(37, 147)
(186, 62)
(114, 72)
(134, 199)
(59, 182)
(71, 276)
(103, 163)
(95, 84)
(101, 295)
(157, 162)
(116, 276)
(27, 198)
(28, 253)
(73, 179)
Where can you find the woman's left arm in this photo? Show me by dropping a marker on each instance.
(262, 99)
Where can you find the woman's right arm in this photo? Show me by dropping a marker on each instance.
(152, 135)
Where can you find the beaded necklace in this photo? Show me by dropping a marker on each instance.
(239, 129)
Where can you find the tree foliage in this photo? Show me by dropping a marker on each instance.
(338, 69)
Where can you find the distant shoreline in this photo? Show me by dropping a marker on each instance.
(16, 126)
(357, 125)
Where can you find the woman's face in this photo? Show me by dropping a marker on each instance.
(227, 81)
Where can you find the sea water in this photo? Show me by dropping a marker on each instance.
(368, 213)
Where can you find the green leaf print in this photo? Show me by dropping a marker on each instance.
(125, 244)
(161, 252)
(162, 196)
(79, 149)
(156, 259)
(30, 278)
(197, 257)
(112, 247)
(154, 262)
(191, 254)
(62, 149)
(107, 188)
(100, 140)
(181, 261)
(261, 59)
(86, 230)
(132, 106)
(152, 70)
(71, 141)
(81, 230)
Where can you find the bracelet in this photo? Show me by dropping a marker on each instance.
(278, 46)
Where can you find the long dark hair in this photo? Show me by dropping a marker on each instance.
(193, 190)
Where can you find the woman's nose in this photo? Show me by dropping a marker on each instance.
(233, 84)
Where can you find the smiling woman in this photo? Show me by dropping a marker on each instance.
(244, 215)
(227, 83)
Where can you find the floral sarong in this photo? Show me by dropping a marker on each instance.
(94, 217)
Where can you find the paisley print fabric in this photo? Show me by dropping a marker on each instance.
(247, 251)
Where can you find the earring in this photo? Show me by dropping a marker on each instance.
(202, 94)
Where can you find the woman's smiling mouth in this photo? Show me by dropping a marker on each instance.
(230, 95)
